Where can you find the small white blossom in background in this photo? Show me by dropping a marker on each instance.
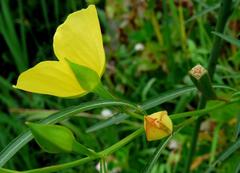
(139, 47)
(98, 166)
(115, 170)
(173, 145)
(106, 113)
(205, 125)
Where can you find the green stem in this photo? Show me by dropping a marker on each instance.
(201, 111)
(214, 143)
(75, 163)
(133, 114)
(182, 28)
(156, 27)
(191, 152)
(103, 166)
(121, 143)
(224, 13)
(104, 93)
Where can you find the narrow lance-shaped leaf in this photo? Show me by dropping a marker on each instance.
(228, 152)
(227, 38)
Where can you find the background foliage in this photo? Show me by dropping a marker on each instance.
(150, 47)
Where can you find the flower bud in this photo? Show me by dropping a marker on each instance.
(52, 138)
(57, 139)
(157, 125)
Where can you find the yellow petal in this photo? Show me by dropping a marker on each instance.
(157, 125)
(50, 77)
(79, 40)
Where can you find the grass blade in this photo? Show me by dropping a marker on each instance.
(56, 10)
(215, 142)
(202, 13)
(113, 120)
(45, 14)
(234, 147)
(156, 155)
(166, 97)
(227, 38)
(238, 126)
(103, 166)
(10, 36)
(238, 168)
(23, 33)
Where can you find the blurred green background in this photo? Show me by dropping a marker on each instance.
(150, 47)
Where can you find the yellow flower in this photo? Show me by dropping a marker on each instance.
(157, 125)
(78, 40)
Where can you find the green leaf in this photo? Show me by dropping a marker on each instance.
(215, 142)
(238, 125)
(227, 38)
(103, 124)
(87, 78)
(237, 168)
(203, 12)
(166, 96)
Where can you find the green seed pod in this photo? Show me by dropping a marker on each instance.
(200, 77)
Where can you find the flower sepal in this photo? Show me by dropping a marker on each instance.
(87, 78)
